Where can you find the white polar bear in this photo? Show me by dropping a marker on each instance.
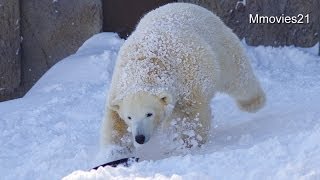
(170, 68)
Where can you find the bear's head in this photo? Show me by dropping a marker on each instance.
(143, 112)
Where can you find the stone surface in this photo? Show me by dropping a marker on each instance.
(122, 16)
(235, 13)
(9, 48)
(303, 35)
(52, 30)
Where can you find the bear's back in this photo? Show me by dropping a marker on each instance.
(180, 38)
(183, 18)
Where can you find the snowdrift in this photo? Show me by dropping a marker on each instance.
(54, 129)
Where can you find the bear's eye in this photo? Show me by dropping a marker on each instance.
(149, 114)
(129, 117)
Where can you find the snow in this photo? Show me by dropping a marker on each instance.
(242, 2)
(53, 131)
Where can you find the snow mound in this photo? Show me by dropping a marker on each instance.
(54, 129)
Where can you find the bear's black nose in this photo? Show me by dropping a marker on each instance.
(140, 139)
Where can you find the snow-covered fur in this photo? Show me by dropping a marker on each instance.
(171, 66)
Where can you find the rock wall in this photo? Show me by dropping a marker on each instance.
(52, 30)
(9, 48)
(122, 16)
(235, 13)
(34, 35)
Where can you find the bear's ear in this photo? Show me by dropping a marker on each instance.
(114, 106)
(165, 98)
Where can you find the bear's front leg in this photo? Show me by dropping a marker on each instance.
(192, 122)
(114, 132)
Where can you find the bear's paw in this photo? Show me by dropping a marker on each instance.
(252, 105)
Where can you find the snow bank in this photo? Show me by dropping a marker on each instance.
(54, 129)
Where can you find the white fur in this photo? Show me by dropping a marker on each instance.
(185, 53)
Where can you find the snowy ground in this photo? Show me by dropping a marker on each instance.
(54, 129)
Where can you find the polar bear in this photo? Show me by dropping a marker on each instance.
(179, 56)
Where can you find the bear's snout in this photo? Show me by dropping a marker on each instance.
(140, 139)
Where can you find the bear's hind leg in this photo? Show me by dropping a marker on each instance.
(253, 104)
(244, 86)
(248, 94)
(237, 76)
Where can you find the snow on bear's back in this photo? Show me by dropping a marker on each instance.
(164, 51)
